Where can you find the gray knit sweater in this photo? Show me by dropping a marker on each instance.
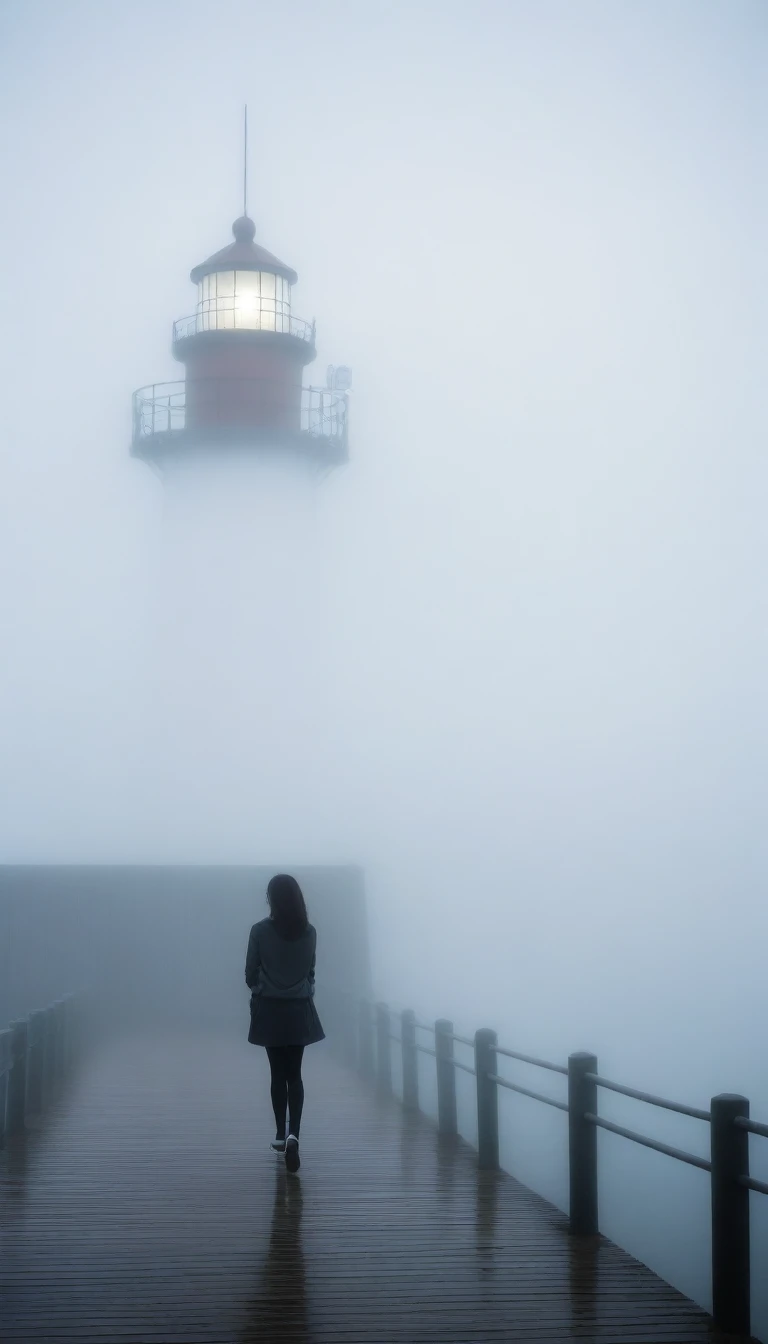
(280, 968)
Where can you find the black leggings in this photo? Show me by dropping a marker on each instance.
(287, 1087)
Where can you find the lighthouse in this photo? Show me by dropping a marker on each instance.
(237, 745)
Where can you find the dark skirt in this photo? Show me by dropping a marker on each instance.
(284, 1022)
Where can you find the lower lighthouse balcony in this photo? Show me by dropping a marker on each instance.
(239, 412)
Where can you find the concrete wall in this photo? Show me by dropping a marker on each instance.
(162, 944)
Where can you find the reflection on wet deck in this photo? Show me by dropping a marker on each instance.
(149, 1209)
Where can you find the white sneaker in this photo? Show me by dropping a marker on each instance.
(278, 1145)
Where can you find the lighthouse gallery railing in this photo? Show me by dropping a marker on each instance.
(266, 315)
(161, 408)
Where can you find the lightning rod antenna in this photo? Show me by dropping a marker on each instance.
(245, 160)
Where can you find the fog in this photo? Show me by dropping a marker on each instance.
(532, 706)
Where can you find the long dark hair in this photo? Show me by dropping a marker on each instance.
(287, 906)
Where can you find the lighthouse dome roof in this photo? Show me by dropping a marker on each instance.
(243, 255)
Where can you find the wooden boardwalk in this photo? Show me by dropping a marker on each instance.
(149, 1210)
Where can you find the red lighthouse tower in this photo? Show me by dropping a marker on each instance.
(244, 354)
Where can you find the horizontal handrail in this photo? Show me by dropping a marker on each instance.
(466, 1068)
(426, 1050)
(531, 1059)
(463, 1040)
(394, 1010)
(526, 1092)
(750, 1183)
(650, 1098)
(645, 1142)
(751, 1126)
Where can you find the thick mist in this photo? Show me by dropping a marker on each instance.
(236, 736)
(534, 708)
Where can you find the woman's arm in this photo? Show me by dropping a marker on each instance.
(311, 976)
(252, 960)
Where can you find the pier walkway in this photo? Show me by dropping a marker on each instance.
(147, 1208)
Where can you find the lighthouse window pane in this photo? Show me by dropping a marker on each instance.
(268, 285)
(225, 285)
(247, 300)
(202, 305)
(281, 307)
(246, 282)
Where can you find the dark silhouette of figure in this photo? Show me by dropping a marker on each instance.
(280, 973)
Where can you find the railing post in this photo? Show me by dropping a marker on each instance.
(346, 1027)
(84, 1023)
(72, 1033)
(62, 1034)
(446, 1077)
(730, 1215)
(366, 1039)
(383, 1053)
(582, 1144)
(410, 1060)
(48, 1057)
(78, 1028)
(351, 1032)
(35, 1064)
(487, 1099)
(16, 1104)
(5, 1066)
(56, 1037)
(64, 1038)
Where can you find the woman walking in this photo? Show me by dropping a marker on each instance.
(280, 973)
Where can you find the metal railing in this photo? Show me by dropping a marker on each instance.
(238, 405)
(38, 1054)
(366, 1036)
(267, 315)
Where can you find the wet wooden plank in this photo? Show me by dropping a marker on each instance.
(150, 1210)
